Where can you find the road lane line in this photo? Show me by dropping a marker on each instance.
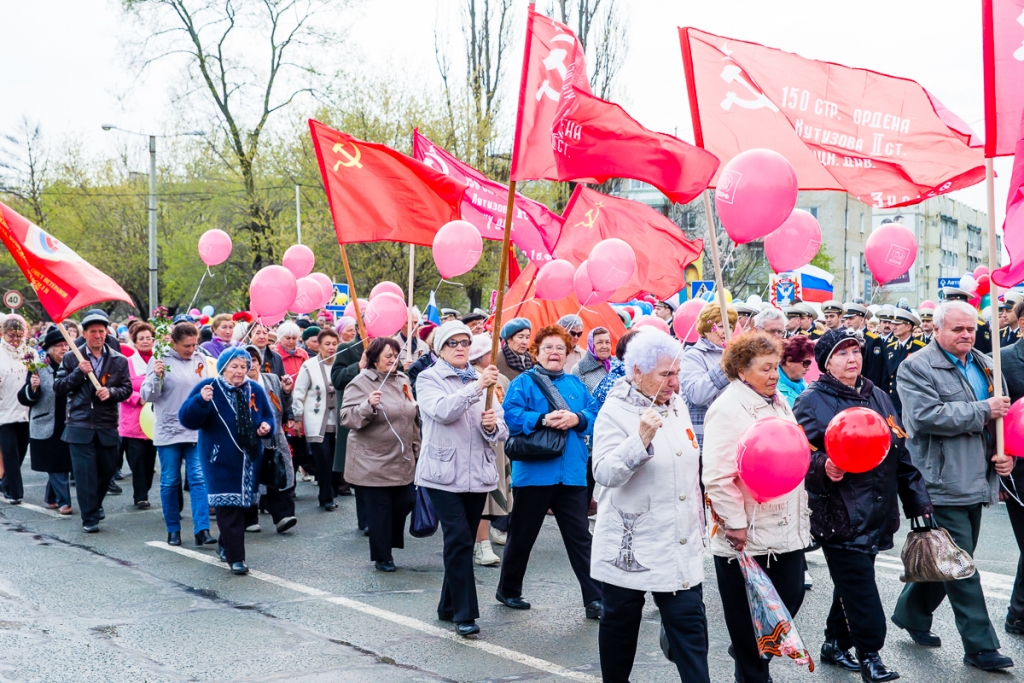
(37, 508)
(400, 619)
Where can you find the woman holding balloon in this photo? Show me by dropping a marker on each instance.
(860, 466)
(758, 502)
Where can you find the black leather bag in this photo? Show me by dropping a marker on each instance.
(272, 473)
(542, 444)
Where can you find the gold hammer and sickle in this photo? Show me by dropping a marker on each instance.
(592, 215)
(351, 160)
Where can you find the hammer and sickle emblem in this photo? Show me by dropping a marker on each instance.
(350, 160)
(592, 215)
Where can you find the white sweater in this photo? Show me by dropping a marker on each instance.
(12, 379)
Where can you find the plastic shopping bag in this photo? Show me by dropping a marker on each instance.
(773, 625)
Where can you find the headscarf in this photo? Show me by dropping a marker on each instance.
(230, 354)
(590, 347)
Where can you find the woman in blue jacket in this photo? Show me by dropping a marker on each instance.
(232, 415)
(558, 484)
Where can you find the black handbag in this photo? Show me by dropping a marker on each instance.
(272, 473)
(542, 444)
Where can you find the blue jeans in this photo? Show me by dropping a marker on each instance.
(58, 489)
(170, 484)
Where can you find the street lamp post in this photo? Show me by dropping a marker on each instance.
(154, 298)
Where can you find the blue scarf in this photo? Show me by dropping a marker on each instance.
(466, 374)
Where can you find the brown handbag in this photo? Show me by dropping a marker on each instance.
(931, 555)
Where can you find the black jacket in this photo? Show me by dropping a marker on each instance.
(860, 512)
(272, 362)
(85, 411)
(425, 361)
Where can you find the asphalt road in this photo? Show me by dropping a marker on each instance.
(121, 605)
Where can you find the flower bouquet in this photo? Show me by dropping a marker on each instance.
(34, 359)
(162, 325)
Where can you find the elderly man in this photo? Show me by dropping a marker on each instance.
(573, 324)
(950, 414)
(92, 415)
(983, 335)
(833, 312)
(772, 321)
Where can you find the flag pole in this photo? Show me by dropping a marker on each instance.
(78, 354)
(352, 295)
(502, 276)
(412, 323)
(713, 238)
(993, 264)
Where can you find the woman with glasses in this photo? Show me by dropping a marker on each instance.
(14, 432)
(558, 484)
(314, 402)
(457, 463)
(701, 378)
(573, 324)
(797, 356)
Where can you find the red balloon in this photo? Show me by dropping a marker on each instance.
(773, 457)
(857, 439)
(1013, 429)
(984, 284)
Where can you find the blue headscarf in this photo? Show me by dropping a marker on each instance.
(231, 354)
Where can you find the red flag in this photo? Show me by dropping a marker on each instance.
(883, 139)
(513, 266)
(377, 194)
(61, 278)
(662, 250)
(1003, 51)
(1012, 274)
(535, 227)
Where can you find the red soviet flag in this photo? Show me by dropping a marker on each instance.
(662, 250)
(1012, 274)
(61, 278)
(883, 139)
(1003, 51)
(379, 195)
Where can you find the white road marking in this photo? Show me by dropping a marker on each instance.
(37, 508)
(400, 619)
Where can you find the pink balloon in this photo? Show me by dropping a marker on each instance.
(555, 280)
(214, 247)
(195, 312)
(979, 271)
(385, 315)
(756, 193)
(308, 295)
(457, 248)
(773, 457)
(350, 309)
(327, 285)
(651, 321)
(272, 290)
(612, 263)
(794, 243)
(890, 251)
(584, 289)
(386, 287)
(813, 373)
(299, 259)
(684, 321)
(1013, 429)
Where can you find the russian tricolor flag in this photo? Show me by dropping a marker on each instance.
(432, 312)
(815, 283)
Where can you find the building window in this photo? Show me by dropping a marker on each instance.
(862, 224)
(950, 228)
(973, 247)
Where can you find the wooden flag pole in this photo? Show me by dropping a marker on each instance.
(352, 295)
(713, 237)
(502, 277)
(993, 263)
(412, 323)
(78, 354)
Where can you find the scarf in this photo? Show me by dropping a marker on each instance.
(144, 356)
(544, 378)
(515, 361)
(590, 347)
(859, 392)
(466, 374)
(239, 398)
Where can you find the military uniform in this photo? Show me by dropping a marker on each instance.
(832, 306)
(896, 353)
(1008, 336)
(874, 358)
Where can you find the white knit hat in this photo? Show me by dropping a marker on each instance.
(449, 330)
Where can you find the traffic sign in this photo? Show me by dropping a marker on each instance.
(700, 288)
(13, 299)
(340, 300)
(948, 282)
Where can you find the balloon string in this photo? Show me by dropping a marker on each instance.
(196, 295)
(509, 308)
(682, 348)
(442, 281)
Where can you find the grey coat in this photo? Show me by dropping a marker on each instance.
(946, 428)
(47, 413)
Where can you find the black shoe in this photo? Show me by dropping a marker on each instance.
(103, 515)
(385, 566)
(114, 489)
(204, 538)
(173, 538)
(925, 638)
(595, 609)
(1014, 626)
(239, 568)
(872, 670)
(467, 628)
(90, 528)
(345, 491)
(222, 553)
(988, 660)
(832, 654)
(330, 507)
(514, 603)
(143, 504)
(285, 524)
(118, 476)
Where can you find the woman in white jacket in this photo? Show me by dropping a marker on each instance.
(775, 532)
(650, 513)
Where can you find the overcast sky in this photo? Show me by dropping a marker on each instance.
(63, 62)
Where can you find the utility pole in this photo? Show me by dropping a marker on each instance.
(154, 299)
(298, 218)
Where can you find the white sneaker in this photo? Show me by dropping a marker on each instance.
(498, 537)
(484, 556)
(253, 528)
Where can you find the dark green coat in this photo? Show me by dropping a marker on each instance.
(343, 370)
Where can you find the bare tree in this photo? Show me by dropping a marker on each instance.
(601, 26)
(223, 42)
(24, 167)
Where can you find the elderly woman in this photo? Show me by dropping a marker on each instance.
(854, 516)
(573, 325)
(514, 358)
(701, 379)
(617, 369)
(558, 484)
(598, 361)
(314, 403)
(797, 356)
(232, 415)
(139, 449)
(778, 529)
(14, 431)
(649, 534)
(383, 442)
(169, 382)
(346, 329)
(457, 463)
(46, 417)
(223, 327)
(292, 354)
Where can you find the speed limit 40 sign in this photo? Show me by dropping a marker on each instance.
(13, 299)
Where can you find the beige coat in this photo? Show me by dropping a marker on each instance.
(780, 525)
(375, 455)
(499, 501)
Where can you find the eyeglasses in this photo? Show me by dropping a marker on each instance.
(775, 333)
(577, 335)
(456, 343)
(805, 363)
(553, 349)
